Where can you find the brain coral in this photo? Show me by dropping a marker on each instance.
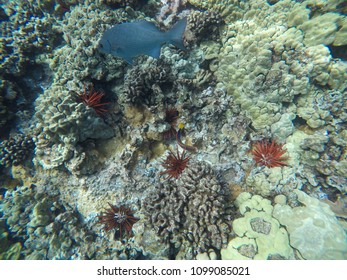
(193, 213)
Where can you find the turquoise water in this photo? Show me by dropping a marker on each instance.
(233, 147)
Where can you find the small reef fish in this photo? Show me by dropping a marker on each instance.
(130, 39)
(179, 140)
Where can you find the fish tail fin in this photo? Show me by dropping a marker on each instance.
(175, 34)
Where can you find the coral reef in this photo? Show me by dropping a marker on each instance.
(25, 29)
(251, 70)
(27, 33)
(202, 26)
(192, 213)
(46, 229)
(274, 66)
(142, 83)
(229, 9)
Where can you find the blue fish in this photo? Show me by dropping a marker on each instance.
(130, 39)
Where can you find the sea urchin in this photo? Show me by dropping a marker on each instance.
(175, 164)
(269, 154)
(171, 117)
(120, 218)
(92, 99)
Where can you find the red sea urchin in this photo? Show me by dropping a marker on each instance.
(175, 164)
(269, 154)
(92, 99)
(120, 218)
(171, 117)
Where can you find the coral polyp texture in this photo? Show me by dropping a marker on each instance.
(92, 99)
(269, 154)
(175, 164)
(121, 219)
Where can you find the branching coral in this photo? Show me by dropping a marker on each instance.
(193, 213)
